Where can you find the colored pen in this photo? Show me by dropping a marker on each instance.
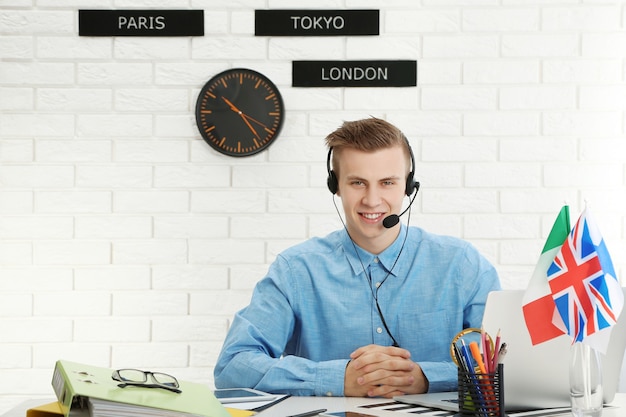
(459, 358)
(309, 413)
(475, 392)
(478, 357)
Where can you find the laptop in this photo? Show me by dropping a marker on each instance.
(535, 377)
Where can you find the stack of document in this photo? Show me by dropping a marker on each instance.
(84, 390)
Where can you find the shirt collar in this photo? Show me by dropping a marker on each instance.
(387, 258)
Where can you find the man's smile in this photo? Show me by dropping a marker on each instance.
(371, 216)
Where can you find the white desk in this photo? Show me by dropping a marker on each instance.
(296, 405)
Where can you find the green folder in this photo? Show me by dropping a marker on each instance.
(89, 391)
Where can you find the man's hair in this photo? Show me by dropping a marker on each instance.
(366, 135)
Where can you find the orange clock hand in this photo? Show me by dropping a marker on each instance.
(243, 116)
(231, 105)
(252, 119)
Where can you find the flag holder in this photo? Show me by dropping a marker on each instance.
(585, 375)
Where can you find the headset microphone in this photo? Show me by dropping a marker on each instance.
(393, 219)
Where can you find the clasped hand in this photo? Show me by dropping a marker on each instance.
(383, 371)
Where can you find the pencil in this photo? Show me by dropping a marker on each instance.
(496, 352)
(485, 347)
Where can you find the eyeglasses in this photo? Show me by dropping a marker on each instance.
(135, 377)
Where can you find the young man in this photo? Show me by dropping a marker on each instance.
(370, 309)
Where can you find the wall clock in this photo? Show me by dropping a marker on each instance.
(239, 112)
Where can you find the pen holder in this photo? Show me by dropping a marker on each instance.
(481, 395)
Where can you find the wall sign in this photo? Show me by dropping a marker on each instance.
(141, 22)
(354, 73)
(316, 22)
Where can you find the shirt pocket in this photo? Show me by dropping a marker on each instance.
(427, 335)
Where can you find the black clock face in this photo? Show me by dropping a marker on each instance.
(239, 112)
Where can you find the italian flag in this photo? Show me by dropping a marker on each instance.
(542, 318)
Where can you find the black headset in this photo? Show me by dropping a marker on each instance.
(411, 186)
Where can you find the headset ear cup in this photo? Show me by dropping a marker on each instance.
(332, 182)
(411, 185)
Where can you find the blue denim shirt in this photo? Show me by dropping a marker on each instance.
(316, 305)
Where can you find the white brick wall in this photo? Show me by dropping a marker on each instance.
(126, 241)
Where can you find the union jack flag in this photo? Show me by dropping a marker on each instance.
(583, 282)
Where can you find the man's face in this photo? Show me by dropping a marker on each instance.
(371, 187)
